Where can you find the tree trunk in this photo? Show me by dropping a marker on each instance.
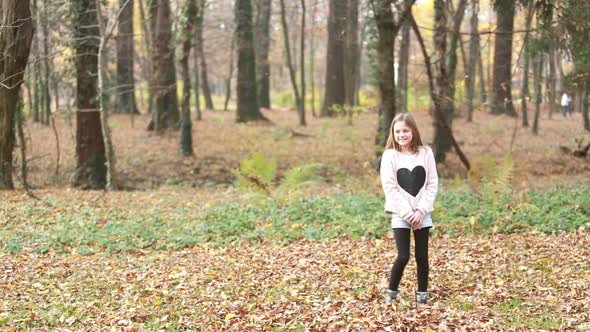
(525, 70)
(22, 142)
(246, 88)
(90, 151)
(387, 29)
(402, 76)
(186, 136)
(165, 114)
(46, 67)
(15, 44)
(263, 11)
(200, 44)
(537, 71)
(312, 56)
(197, 84)
(442, 142)
(386, 72)
(474, 55)
(502, 85)
(125, 52)
(551, 92)
(302, 121)
(351, 55)
(452, 61)
(292, 74)
(149, 55)
(104, 35)
(335, 91)
(36, 67)
(230, 72)
(438, 109)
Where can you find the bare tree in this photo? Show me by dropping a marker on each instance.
(292, 74)
(262, 23)
(524, 93)
(352, 56)
(387, 29)
(15, 44)
(90, 150)
(247, 92)
(125, 54)
(402, 76)
(200, 45)
(165, 114)
(186, 138)
(502, 84)
(335, 91)
(474, 55)
(435, 92)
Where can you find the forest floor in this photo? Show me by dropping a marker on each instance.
(528, 281)
(146, 161)
(517, 282)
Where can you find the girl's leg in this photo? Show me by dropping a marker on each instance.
(421, 241)
(402, 241)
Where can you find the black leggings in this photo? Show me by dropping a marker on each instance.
(402, 240)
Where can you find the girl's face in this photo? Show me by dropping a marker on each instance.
(402, 134)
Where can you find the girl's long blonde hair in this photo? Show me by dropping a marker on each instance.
(410, 122)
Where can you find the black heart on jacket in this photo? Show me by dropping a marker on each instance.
(412, 181)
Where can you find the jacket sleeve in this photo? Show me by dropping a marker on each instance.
(426, 202)
(394, 200)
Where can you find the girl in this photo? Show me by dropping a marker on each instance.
(410, 183)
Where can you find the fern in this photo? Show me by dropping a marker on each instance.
(300, 176)
(256, 173)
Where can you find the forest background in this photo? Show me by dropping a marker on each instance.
(131, 204)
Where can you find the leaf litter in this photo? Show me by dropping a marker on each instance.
(501, 282)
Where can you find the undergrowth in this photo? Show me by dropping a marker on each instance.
(82, 228)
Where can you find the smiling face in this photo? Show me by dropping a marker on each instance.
(403, 135)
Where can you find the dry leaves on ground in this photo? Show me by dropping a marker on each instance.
(516, 282)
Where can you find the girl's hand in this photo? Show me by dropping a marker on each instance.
(416, 219)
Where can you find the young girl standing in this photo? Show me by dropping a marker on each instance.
(410, 183)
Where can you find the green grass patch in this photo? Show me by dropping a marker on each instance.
(85, 229)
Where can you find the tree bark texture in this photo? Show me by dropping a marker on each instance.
(352, 55)
(442, 89)
(46, 68)
(263, 11)
(200, 44)
(230, 72)
(473, 58)
(15, 44)
(525, 93)
(292, 73)
(186, 138)
(551, 78)
(90, 151)
(125, 53)
(246, 87)
(165, 114)
(402, 76)
(502, 83)
(147, 33)
(302, 120)
(312, 50)
(386, 72)
(537, 71)
(452, 58)
(335, 90)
